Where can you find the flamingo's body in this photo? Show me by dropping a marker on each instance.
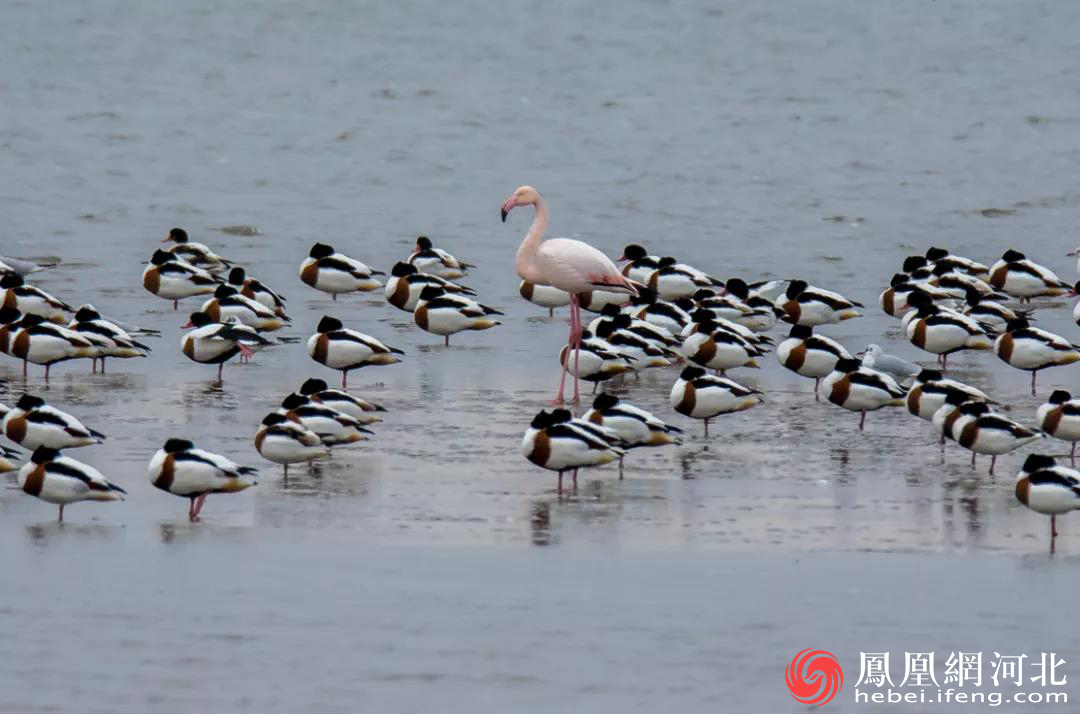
(562, 263)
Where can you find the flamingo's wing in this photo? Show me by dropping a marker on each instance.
(575, 266)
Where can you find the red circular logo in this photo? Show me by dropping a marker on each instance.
(814, 677)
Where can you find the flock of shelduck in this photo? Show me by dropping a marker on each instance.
(654, 313)
(658, 311)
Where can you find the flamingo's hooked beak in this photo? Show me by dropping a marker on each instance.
(507, 206)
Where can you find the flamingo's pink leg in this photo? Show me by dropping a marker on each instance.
(576, 337)
(564, 364)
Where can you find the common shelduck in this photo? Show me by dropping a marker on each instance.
(918, 268)
(900, 369)
(989, 312)
(942, 332)
(957, 284)
(597, 300)
(701, 396)
(544, 296)
(110, 339)
(703, 315)
(617, 330)
(671, 316)
(728, 307)
(212, 342)
(1060, 418)
(195, 253)
(714, 348)
(810, 355)
(1024, 279)
(62, 480)
(983, 432)
(285, 442)
(639, 264)
(764, 312)
(930, 389)
(406, 283)
(672, 279)
(33, 423)
(1047, 488)
(360, 409)
(31, 300)
(858, 389)
(554, 443)
(442, 313)
(941, 256)
(331, 272)
(10, 324)
(804, 304)
(948, 414)
(341, 349)
(641, 328)
(1029, 348)
(257, 291)
(894, 301)
(170, 277)
(9, 459)
(335, 428)
(597, 361)
(635, 426)
(228, 302)
(435, 261)
(182, 470)
(46, 344)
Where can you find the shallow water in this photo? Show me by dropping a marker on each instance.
(768, 139)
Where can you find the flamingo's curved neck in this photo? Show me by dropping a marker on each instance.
(532, 241)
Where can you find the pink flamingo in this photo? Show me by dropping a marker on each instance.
(565, 264)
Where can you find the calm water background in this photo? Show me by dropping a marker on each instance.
(434, 569)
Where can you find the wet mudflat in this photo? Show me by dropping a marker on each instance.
(433, 567)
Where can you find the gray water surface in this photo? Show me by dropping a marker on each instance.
(433, 568)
